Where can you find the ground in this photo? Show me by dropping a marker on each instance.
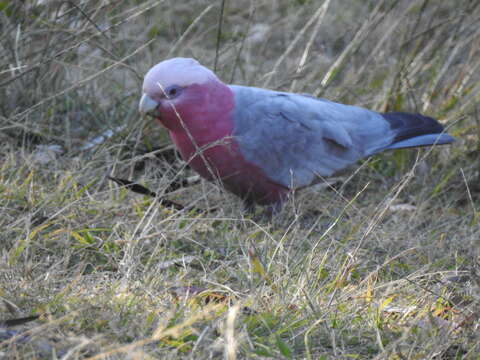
(381, 262)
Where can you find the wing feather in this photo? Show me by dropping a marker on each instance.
(294, 138)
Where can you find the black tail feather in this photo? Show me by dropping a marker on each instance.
(406, 125)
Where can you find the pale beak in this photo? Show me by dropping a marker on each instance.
(147, 105)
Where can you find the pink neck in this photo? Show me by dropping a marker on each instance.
(208, 118)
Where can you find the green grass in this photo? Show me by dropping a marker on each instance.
(381, 265)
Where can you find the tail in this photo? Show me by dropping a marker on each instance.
(412, 130)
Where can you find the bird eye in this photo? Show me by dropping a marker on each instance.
(173, 91)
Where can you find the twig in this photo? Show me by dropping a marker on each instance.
(20, 321)
(219, 34)
(140, 189)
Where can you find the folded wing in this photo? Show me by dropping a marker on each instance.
(295, 138)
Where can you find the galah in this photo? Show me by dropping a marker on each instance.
(262, 144)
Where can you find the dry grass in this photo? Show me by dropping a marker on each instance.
(381, 265)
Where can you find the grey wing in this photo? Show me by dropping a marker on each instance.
(294, 138)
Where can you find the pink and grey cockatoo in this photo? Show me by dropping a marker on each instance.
(261, 144)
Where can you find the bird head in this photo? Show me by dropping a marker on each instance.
(178, 92)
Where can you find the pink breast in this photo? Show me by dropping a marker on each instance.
(225, 162)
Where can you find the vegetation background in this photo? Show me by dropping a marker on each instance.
(378, 263)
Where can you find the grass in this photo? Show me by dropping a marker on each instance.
(382, 264)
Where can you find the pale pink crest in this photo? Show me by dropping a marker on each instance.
(177, 71)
